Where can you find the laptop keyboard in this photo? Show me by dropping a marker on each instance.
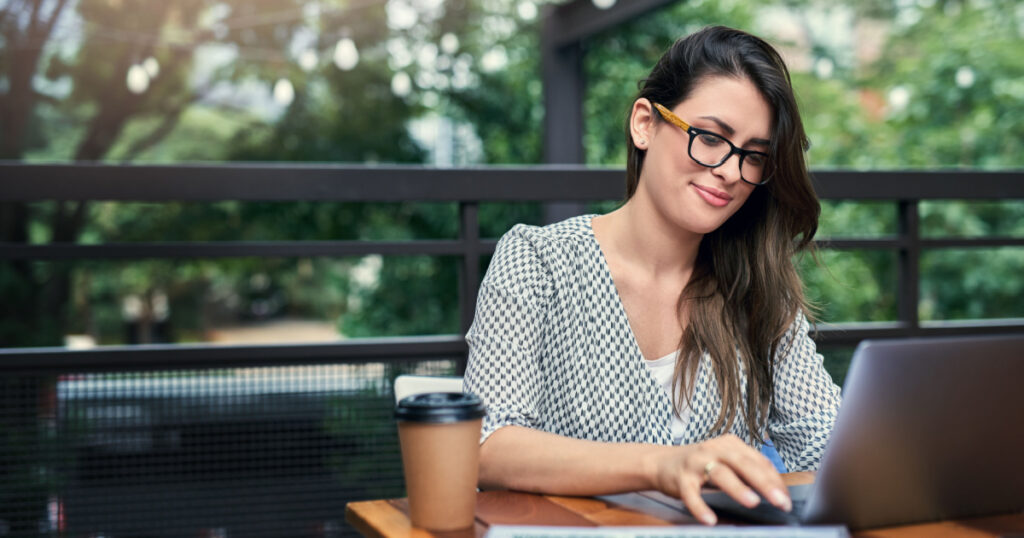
(692, 531)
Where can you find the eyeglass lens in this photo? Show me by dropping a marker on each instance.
(712, 150)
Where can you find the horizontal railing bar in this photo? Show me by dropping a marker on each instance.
(897, 243)
(355, 183)
(412, 247)
(183, 356)
(393, 349)
(236, 249)
(855, 244)
(964, 324)
(920, 185)
(313, 182)
(835, 334)
(972, 242)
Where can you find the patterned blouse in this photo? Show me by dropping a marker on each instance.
(550, 348)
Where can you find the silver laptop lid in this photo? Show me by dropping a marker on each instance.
(929, 429)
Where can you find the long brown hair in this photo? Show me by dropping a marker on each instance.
(744, 292)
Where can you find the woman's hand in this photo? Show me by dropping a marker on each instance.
(726, 462)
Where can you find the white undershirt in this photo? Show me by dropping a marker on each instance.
(662, 369)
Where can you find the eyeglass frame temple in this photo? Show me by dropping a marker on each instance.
(671, 117)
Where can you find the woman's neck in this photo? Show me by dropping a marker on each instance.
(645, 241)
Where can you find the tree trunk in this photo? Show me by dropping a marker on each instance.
(23, 51)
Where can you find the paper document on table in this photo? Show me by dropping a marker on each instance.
(692, 531)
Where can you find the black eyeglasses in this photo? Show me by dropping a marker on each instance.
(712, 150)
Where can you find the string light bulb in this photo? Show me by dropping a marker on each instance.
(151, 66)
(308, 60)
(401, 84)
(284, 92)
(527, 10)
(450, 43)
(346, 55)
(137, 79)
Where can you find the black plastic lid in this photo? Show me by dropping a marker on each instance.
(440, 407)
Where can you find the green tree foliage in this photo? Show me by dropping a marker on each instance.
(951, 86)
(618, 59)
(959, 65)
(339, 115)
(328, 121)
(941, 89)
(505, 106)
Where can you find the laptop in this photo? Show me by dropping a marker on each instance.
(929, 429)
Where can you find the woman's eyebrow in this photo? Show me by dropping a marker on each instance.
(730, 131)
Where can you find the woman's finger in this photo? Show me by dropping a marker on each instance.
(751, 467)
(689, 493)
(726, 480)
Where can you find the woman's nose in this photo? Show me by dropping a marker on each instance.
(730, 169)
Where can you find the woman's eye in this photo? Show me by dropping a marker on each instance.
(756, 159)
(710, 139)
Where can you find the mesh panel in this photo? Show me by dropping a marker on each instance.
(268, 451)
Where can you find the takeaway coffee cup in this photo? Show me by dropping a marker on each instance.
(440, 437)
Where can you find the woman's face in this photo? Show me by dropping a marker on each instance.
(693, 197)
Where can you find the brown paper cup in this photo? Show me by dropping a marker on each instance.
(440, 459)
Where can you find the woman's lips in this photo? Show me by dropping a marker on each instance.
(714, 197)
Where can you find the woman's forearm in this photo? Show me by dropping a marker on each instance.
(524, 459)
(530, 460)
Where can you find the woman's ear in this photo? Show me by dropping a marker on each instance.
(641, 123)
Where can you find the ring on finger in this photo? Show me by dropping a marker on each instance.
(708, 467)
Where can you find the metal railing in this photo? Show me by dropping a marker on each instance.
(272, 440)
(468, 187)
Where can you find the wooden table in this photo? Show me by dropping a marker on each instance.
(390, 518)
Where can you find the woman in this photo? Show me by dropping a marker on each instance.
(656, 346)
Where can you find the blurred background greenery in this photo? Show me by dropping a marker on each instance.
(883, 84)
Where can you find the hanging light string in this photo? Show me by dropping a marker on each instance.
(188, 40)
(345, 53)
